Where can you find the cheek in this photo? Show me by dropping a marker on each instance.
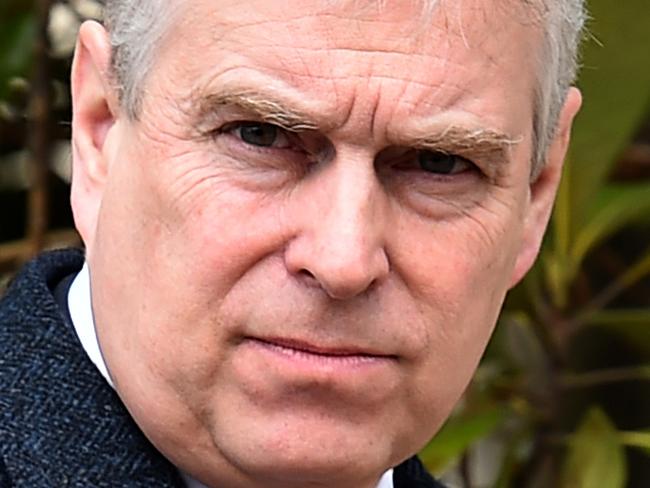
(216, 230)
(450, 262)
(180, 235)
(194, 215)
(459, 276)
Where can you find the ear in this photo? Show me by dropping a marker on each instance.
(95, 108)
(544, 188)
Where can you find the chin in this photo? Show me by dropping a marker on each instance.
(304, 453)
(315, 467)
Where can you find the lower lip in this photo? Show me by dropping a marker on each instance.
(313, 359)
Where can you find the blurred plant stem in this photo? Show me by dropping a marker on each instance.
(40, 109)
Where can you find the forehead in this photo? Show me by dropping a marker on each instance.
(341, 55)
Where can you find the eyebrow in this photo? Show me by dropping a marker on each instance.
(257, 104)
(479, 140)
(484, 143)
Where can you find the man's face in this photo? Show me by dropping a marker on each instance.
(300, 249)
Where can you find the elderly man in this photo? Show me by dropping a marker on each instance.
(301, 219)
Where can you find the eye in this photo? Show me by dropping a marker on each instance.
(261, 134)
(442, 163)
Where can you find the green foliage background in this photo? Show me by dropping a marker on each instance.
(562, 397)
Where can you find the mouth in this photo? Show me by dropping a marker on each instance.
(304, 350)
(279, 368)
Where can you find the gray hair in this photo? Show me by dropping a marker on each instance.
(137, 26)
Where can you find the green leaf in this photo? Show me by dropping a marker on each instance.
(636, 272)
(638, 439)
(558, 272)
(613, 208)
(562, 214)
(457, 435)
(596, 457)
(555, 253)
(526, 351)
(615, 81)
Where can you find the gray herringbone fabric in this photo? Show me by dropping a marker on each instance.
(61, 425)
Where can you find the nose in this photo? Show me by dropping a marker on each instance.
(340, 241)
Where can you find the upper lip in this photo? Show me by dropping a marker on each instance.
(309, 347)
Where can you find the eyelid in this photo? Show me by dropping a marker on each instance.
(283, 140)
(460, 164)
(230, 127)
(484, 165)
(295, 143)
(459, 154)
(400, 155)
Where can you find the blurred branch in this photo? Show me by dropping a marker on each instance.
(40, 108)
(605, 376)
(12, 253)
(635, 163)
(631, 276)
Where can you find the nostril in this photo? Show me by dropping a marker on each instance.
(305, 273)
(308, 277)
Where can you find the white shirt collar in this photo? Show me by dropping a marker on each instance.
(81, 313)
(80, 307)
